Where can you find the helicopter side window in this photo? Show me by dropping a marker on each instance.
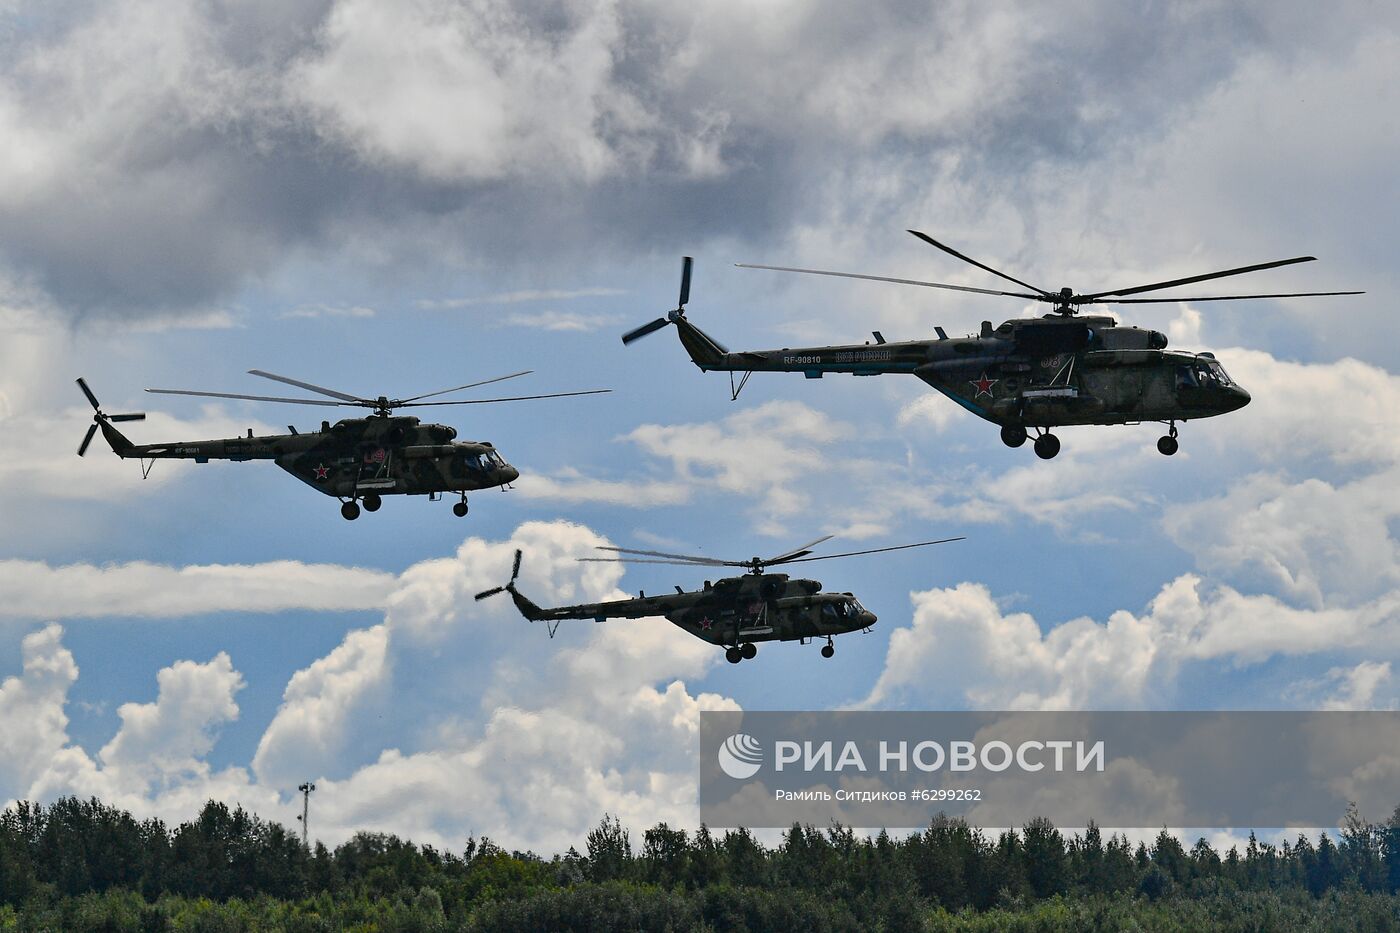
(1185, 378)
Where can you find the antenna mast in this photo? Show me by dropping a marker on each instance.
(305, 817)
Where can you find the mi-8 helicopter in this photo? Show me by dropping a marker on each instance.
(1029, 374)
(735, 612)
(357, 460)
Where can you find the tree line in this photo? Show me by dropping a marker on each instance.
(76, 852)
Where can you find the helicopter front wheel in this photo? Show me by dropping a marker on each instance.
(828, 649)
(1013, 435)
(459, 509)
(349, 511)
(1046, 446)
(372, 502)
(749, 650)
(1167, 445)
(733, 654)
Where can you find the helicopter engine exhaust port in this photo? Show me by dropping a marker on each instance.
(372, 502)
(1013, 435)
(733, 654)
(349, 510)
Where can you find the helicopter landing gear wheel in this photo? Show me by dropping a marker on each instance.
(828, 649)
(1167, 445)
(372, 502)
(1013, 435)
(1046, 446)
(459, 509)
(749, 650)
(349, 511)
(733, 654)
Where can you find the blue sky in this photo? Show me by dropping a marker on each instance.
(396, 200)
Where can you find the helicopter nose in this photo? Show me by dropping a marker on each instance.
(867, 618)
(509, 474)
(1237, 398)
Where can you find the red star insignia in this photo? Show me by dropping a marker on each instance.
(983, 385)
(322, 471)
(706, 624)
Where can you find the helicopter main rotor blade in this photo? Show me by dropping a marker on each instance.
(897, 547)
(470, 385)
(310, 387)
(1148, 301)
(87, 439)
(798, 551)
(82, 384)
(1200, 278)
(646, 560)
(645, 329)
(952, 252)
(484, 401)
(682, 557)
(883, 278)
(256, 398)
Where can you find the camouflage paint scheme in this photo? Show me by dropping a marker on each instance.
(1033, 372)
(729, 612)
(355, 457)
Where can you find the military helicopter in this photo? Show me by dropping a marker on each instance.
(1029, 374)
(735, 612)
(357, 460)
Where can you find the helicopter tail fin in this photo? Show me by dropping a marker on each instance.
(704, 350)
(117, 440)
(527, 608)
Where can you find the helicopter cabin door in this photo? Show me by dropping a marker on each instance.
(375, 467)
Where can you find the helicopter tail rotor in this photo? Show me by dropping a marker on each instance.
(527, 608)
(509, 587)
(103, 421)
(671, 317)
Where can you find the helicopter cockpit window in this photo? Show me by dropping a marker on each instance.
(1219, 372)
(843, 610)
